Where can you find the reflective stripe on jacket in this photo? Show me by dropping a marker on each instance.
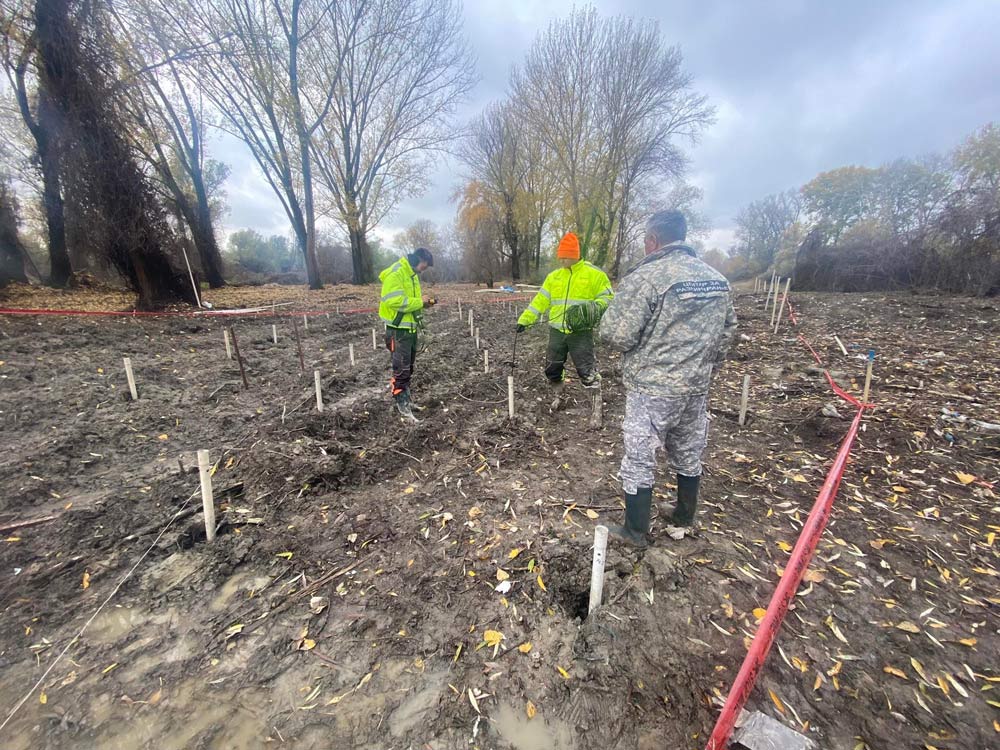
(581, 282)
(400, 295)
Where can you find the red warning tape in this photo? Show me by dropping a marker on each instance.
(798, 562)
(221, 314)
(783, 595)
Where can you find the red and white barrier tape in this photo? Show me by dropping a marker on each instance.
(798, 562)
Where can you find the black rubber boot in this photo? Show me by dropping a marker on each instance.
(687, 500)
(637, 510)
(403, 407)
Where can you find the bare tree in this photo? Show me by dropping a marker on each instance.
(20, 59)
(100, 170)
(269, 75)
(403, 68)
(761, 225)
(12, 252)
(497, 154)
(609, 100)
(169, 110)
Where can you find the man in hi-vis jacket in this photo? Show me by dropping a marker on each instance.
(401, 309)
(575, 295)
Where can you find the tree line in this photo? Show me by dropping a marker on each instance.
(342, 105)
(587, 139)
(932, 222)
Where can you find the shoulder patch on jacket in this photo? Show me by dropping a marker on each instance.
(700, 288)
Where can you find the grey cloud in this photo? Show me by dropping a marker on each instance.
(801, 87)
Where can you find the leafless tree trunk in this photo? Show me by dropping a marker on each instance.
(19, 63)
(403, 67)
(266, 75)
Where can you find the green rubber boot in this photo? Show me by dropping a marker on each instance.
(682, 521)
(637, 510)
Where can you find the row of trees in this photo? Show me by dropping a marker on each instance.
(341, 104)
(586, 140)
(930, 222)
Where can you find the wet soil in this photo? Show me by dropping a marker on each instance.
(350, 598)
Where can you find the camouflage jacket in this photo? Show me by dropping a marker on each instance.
(673, 318)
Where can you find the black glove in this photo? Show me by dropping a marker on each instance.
(521, 328)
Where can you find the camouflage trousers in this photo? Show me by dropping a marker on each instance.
(678, 424)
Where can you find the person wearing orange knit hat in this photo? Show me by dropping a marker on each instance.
(575, 295)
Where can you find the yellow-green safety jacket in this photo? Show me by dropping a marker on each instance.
(401, 296)
(564, 287)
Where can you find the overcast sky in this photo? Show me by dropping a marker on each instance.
(800, 86)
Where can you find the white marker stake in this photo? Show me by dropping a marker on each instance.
(460, 309)
(597, 571)
(274, 333)
(744, 399)
(319, 390)
(229, 345)
(868, 376)
(510, 396)
(305, 322)
(374, 343)
(477, 338)
(784, 299)
(207, 502)
(350, 351)
(486, 360)
(774, 302)
(472, 326)
(131, 379)
(840, 344)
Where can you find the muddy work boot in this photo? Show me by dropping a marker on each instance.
(637, 509)
(403, 407)
(413, 404)
(557, 395)
(591, 381)
(682, 521)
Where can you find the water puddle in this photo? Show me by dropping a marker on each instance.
(522, 733)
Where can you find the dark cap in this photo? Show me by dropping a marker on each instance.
(421, 254)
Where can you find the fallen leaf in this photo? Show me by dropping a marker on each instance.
(530, 710)
(777, 701)
(908, 627)
(163, 436)
(541, 583)
(286, 555)
(563, 672)
(592, 514)
(472, 700)
(970, 642)
(408, 490)
(784, 546)
(920, 669)
(524, 648)
(502, 575)
(965, 478)
(43, 698)
(86, 580)
(759, 613)
(513, 553)
(492, 637)
(234, 630)
(799, 478)
(893, 671)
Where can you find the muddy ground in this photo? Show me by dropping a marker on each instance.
(347, 598)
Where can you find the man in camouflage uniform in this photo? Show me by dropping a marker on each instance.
(673, 319)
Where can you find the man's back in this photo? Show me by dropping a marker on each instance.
(673, 319)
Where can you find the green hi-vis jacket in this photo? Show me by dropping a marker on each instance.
(400, 295)
(564, 287)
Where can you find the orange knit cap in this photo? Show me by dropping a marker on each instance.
(569, 247)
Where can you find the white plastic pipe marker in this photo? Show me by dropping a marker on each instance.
(597, 571)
